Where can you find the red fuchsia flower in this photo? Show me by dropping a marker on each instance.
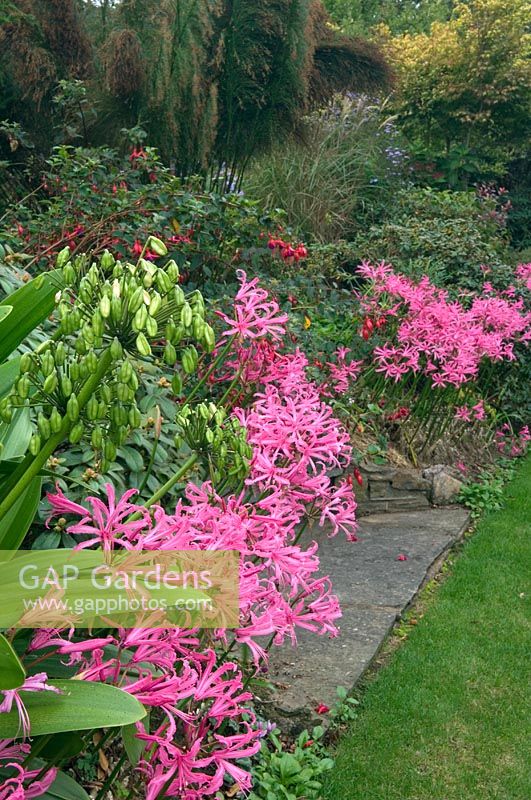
(358, 476)
(400, 414)
(137, 248)
(137, 153)
(34, 683)
(401, 557)
(322, 709)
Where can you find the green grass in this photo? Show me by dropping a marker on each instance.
(449, 717)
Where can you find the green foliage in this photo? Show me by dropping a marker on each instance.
(297, 775)
(360, 16)
(486, 493)
(446, 235)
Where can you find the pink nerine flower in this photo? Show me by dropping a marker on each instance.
(35, 683)
(107, 524)
(255, 314)
(13, 787)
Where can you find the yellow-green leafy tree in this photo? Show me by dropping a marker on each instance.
(464, 89)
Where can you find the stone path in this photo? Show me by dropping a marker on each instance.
(373, 588)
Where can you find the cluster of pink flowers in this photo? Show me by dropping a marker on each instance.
(207, 724)
(512, 444)
(469, 414)
(341, 373)
(442, 338)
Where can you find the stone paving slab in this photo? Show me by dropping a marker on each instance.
(373, 588)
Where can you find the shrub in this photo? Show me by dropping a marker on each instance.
(456, 238)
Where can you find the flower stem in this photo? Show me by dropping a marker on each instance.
(188, 464)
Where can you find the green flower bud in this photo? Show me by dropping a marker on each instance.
(69, 274)
(107, 260)
(47, 363)
(92, 408)
(60, 354)
(178, 295)
(157, 245)
(116, 310)
(209, 337)
(125, 372)
(98, 324)
(163, 282)
(6, 412)
(77, 432)
(66, 386)
(155, 304)
(63, 257)
(198, 327)
(106, 393)
(50, 384)
(35, 444)
(96, 438)
(116, 349)
(136, 300)
(121, 434)
(55, 421)
(91, 361)
(140, 318)
(75, 371)
(87, 333)
(170, 354)
(186, 315)
(122, 392)
(134, 417)
(142, 345)
(109, 450)
(105, 307)
(172, 271)
(26, 363)
(72, 408)
(80, 346)
(151, 326)
(170, 330)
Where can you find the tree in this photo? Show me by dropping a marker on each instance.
(464, 88)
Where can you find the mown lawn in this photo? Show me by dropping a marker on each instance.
(450, 717)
